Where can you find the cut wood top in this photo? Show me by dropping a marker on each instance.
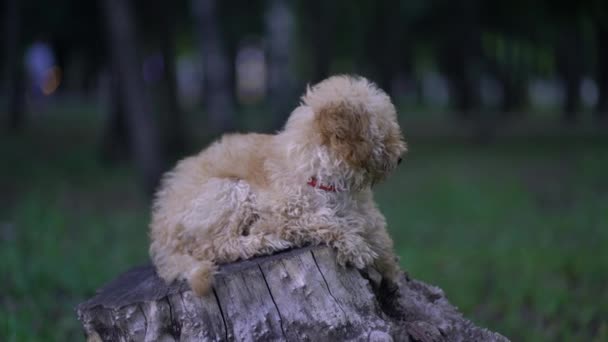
(299, 294)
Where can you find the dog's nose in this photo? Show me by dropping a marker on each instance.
(399, 161)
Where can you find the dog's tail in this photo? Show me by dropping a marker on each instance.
(172, 266)
(201, 277)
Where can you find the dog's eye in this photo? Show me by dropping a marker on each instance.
(399, 160)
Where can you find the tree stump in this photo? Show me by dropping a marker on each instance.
(297, 295)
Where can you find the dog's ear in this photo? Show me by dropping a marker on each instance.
(345, 130)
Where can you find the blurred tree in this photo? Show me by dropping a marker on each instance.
(159, 25)
(385, 49)
(84, 41)
(176, 133)
(216, 67)
(115, 140)
(13, 54)
(565, 19)
(602, 71)
(457, 25)
(279, 26)
(389, 44)
(506, 24)
(140, 121)
(568, 56)
(73, 28)
(318, 25)
(239, 21)
(598, 12)
(511, 74)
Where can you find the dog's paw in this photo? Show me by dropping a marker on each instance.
(360, 256)
(272, 243)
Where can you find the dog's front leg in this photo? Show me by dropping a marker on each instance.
(354, 250)
(377, 235)
(342, 234)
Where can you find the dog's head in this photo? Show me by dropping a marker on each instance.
(357, 123)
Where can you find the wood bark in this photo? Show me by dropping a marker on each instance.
(297, 295)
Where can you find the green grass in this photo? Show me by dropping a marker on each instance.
(514, 232)
(67, 224)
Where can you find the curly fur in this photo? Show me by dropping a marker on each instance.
(247, 194)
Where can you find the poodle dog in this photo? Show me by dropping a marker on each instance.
(253, 194)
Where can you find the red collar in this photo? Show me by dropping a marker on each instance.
(313, 182)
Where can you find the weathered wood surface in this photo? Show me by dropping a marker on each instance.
(298, 295)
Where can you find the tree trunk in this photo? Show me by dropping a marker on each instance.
(602, 73)
(385, 48)
(319, 18)
(514, 96)
(216, 67)
(279, 27)
(298, 295)
(463, 92)
(569, 68)
(142, 125)
(510, 76)
(115, 144)
(175, 134)
(460, 50)
(14, 73)
(571, 105)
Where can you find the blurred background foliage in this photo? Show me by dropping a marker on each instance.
(502, 201)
